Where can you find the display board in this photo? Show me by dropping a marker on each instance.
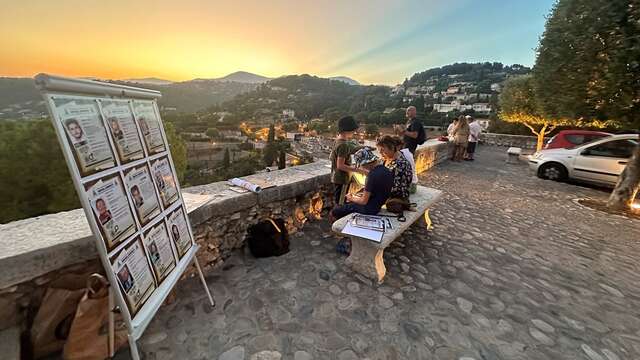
(118, 155)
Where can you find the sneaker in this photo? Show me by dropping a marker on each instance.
(344, 246)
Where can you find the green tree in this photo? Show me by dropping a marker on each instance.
(225, 159)
(212, 133)
(290, 127)
(34, 177)
(270, 153)
(282, 160)
(588, 68)
(372, 129)
(178, 149)
(518, 104)
(271, 136)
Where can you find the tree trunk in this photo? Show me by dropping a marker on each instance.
(627, 187)
(540, 142)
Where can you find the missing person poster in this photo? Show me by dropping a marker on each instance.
(163, 177)
(140, 187)
(149, 126)
(85, 132)
(158, 247)
(134, 276)
(111, 209)
(123, 129)
(179, 231)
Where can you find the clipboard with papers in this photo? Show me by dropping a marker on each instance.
(366, 226)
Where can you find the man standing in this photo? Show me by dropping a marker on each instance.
(413, 135)
(474, 135)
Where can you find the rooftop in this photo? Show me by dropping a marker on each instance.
(514, 269)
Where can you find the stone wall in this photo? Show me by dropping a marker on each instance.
(430, 154)
(40, 250)
(521, 141)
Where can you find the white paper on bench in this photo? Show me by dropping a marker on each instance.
(362, 232)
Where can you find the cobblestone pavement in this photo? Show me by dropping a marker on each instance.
(514, 269)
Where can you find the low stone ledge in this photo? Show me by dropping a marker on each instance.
(430, 154)
(40, 249)
(507, 140)
(33, 247)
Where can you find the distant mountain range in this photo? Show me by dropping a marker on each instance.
(238, 76)
(244, 77)
(19, 98)
(150, 81)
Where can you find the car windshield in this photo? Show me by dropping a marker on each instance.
(591, 138)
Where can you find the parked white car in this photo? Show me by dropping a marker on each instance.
(600, 161)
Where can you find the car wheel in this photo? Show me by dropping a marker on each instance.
(553, 171)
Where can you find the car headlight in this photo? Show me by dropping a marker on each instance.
(536, 155)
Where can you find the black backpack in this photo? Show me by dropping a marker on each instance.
(268, 238)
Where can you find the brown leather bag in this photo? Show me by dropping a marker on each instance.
(398, 205)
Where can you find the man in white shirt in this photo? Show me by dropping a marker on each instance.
(474, 135)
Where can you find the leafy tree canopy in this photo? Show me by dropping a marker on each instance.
(588, 64)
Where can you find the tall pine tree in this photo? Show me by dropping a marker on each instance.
(588, 68)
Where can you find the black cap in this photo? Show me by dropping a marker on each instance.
(347, 123)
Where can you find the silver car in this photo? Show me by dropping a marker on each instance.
(600, 161)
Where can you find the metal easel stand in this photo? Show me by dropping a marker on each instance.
(133, 347)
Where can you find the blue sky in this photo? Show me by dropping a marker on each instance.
(471, 31)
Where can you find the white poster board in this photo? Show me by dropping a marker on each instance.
(117, 152)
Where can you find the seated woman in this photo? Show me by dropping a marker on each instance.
(376, 190)
(397, 163)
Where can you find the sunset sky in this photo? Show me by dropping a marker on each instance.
(372, 41)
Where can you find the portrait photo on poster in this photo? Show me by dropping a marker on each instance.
(158, 246)
(111, 210)
(140, 186)
(164, 179)
(134, 276)
(149, 125)
(124, 132)
(81, 121)
(179, 231)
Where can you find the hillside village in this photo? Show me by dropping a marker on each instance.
(226, 122)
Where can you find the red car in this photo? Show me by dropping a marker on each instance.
(571, 138)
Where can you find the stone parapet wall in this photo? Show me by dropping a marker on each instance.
(430, 154)
(521, 141)
(39, 250)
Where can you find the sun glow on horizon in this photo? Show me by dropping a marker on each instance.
(370, 41)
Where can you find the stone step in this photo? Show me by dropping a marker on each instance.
(10, 343)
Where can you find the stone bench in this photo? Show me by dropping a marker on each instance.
(10, 343)
(513, 155)
(366, 256)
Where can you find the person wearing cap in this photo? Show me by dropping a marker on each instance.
(474, 135)
(341, 156)
(377, 187)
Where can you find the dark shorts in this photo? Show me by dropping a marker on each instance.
(471, 147)
(346, 209)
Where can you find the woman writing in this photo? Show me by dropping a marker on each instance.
(400, 167)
